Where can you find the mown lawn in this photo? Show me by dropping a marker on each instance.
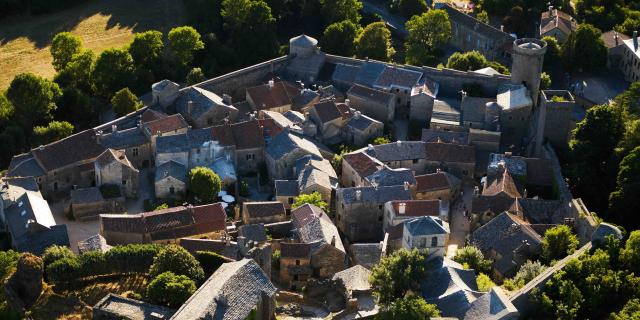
(24, 42)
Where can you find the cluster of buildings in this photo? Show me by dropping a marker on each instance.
(486, 159)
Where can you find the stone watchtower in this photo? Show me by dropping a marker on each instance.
(526, 64)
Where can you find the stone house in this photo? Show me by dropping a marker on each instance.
(237, 290)
(275, 96)
(170, 125)
(133, 142)
(557, 24)
(113, 168)
(426, 233)
(172, 148)
(374, 103)
(359, 211)
(614, 42)
(88, 203)
(366, 254)
(356, 167)
(469, 33)
(459, 160)
(314, 227)
(361, 129)
(421, 103)
(329, 118)
(113, 306)
(203, 108)
(313, 175)
(263, 212)
(295, 265)
(440, 185)
(397, 212)
(247, 141)
(286, 191)
(278, 122)
(164, 226)
(401, 154)
(283, 152)
(171, 180)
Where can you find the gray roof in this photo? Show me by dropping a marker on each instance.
(320, 231)
(309, 161)
(173, 143)
(231, 292)
(15, 187)
(285, 143)
(494, 304)
(397, 151)
(393, 76)
(198, 137)
(435, 135)
(124, 139)
(255, 232)
(86, 195)
(426, 225)
(474, 108)
(294, 116)
(30, 208)
(355, 278)
(125, 308)
(287, 188)
(366, 254)
(369, 73)
(171, 169)
(362, 122)
(345, 73)
(372, 194)
(392, 177)
(312, 177)
(93, 243)
(25, 166)
(38, 241)
(305, 97)
(202, 100)
(371, 94)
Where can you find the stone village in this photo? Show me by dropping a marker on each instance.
(478, 171)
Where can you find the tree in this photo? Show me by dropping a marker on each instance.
(26, 281)
(146, 48)
(125, 102)
(205, 184)
(78, 72)
(623, 200)
(553, 54)
(585, 49)
(483, 16)
(75, 107)
(6, 108)
(176, 259)
(314, 198)
(527, 272)
(113, 71)
(472, 258)
(467, 61)
(339, 38)
(409, 308)
(161, 207)
(426, 32)
(410, 8)
(630, 311)
(63, 47)
(195, 76)
(170, 289)
(374, 42)
(629, 100)
(33, 99)
(630, 254)
(184, 41)
(54, 131)
(484, 282)
(397, 274)
(340, 10)
(558, 242)
(8, 263)
(380, 140)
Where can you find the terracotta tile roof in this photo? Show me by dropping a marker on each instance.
(295, 250)
(327, 111)
(430, 182)
(551, 19)
(171, 123)
(610, 41)
(270, 128)
(503, 183)
(122, 223)
(264, 208)
(363, 164)
(449, 152)
(81, 146)
(209, 217)
(417, 208)
(266, 97)
(242, 135)
(167, 219)
(152, 115)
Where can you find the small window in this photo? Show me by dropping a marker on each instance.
(124, 182)
(135, 152)
(380, 207)
(172, 190)
(198, 151)
(415, 161)
(297, 262)
(434, 241)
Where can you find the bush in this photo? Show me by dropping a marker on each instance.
(473, 258)
(8, 262)
(170, 289)
(484, 282)
(132, 258)
(527, 272)
(558, 242)
(64, 270)
(55, 253)
(93, 263)
(210, 261)
(275, 259)
(177, 260)
(125, 102)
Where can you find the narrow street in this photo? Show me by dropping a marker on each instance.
(459, 224)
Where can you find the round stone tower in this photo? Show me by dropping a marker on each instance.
(526, 64)
(303, 46)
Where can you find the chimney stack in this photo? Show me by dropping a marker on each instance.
(114, 128)
(402, 208)
(635, 40)
(358, 195)
(271, 83)
(189, 106)
(615, 37)
(406, 186)
(550, 10)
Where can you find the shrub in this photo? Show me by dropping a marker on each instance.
(484, 282)
(177, 260)
(314, 198)
(275, 259)
(473, 258)
(210, 261)
(125, 102)
(170, 289)
(136, 258)
(54, 253)
(64, 270)
(8, 262)
(558, 242)
(93, 263)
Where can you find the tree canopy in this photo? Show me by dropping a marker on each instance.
(339, 38)
(471, 257)
(176, 259)
(409, 308)
(623, 201)
(397, 274)
(340, 10)
(54, 131)
(426, 32)
(314, 198)
(585, 49)
(374, 42)
(170, 290)
(184, 41)
(146, 48)
(113, 71)
(63, 47)
(195, 76)
(558, 242)
(409, 8)
(467, 61)
(204, 184)
(125, 102)
(33, 99)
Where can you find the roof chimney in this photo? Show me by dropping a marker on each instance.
(333, 240)
(635, 40)
(189, 106)
(114, 128)
(402, 208)
(406, 186)
(358, 195)
(615, 37)
(271, 83)
(502, 28)
(550, 10)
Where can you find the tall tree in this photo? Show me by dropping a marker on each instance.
(113, 71)
(204, 184)
(146, 48)
(125, 102)
(426, 32)
(552, 56)
(314, 198)
(176, 259)
(623, 201)
(397, 274)
(63, 46)
(33, 99)
(251, 27)
(170, 289)
(54, 131)
(558, 242)
(339, 10)
(471, 60)
(184, 41)
(471, 257)
(374, 42)
(78, 72)
(585, 49)
(339, 38)
(410, 8)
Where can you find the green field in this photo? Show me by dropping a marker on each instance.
(101, 24)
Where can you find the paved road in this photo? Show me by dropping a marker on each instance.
(393, 21)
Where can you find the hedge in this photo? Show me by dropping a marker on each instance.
(210, 261)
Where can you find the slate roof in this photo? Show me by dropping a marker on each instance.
(310, 177)
(29, 208)
(393, 76)
(417, 208)
(253, 232)
(266, 97)
(436, 181)
(496, 204)
(172, 169)
(294, 116)
(473, 109)
(123, 139)
(502, 183)
(425, 226)
(449, 152)
(366, 254)
(320, 231)
(535, 211)
(86, 195)
(371, 94)
(285, 143)
(327, 111)
(609, 38)
(202, 100)
(295, 250)
(355, 278)
(264, 209)
(554, 18)
(321, 164)
(392, 177)
(473, 23)
(345, 73)
(306, 213)
(171, 123)
(81, 146)
(361, 122)
(287, 188)
(505, 234)
(370, 71)
(494, 304)
(363, 164)
(110, 156)
(398, 151)
(172, 143)
(305, 97)
(372, 194)
(231, 292)
(37, 242)
(125, 308)
(24, 166)
(93, 243)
